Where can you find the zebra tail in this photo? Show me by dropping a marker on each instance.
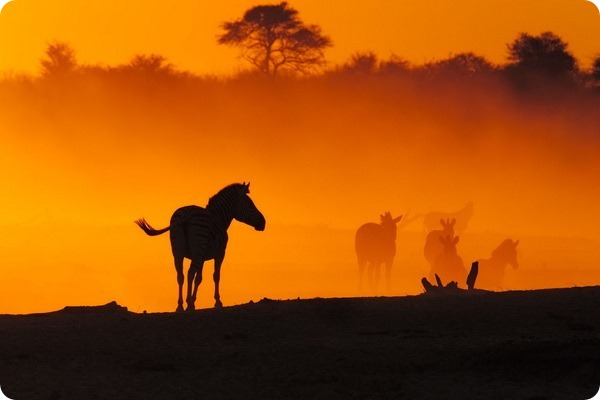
(150, 231)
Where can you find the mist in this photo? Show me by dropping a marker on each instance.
(85, 155)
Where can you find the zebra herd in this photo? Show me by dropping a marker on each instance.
(200, 234)
(375, 244)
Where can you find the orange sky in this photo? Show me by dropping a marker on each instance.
(76, 171)
(111, 31)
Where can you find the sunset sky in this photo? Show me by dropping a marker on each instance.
(81, 161)
(110, 32)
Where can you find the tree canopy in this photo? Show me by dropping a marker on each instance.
(60, 60)
(545, 55)
(274, 39)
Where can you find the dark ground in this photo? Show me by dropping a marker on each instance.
(513, 345)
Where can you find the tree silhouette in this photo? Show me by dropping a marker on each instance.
(60, 60)
(394, 65)
(545, 55)
(152, 63)
(362, 63)
(274, 39)
(463, 65)
(368, 63)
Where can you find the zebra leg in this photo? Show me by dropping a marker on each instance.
(217, 278)
(195, 276)
(190, 300)
(180, 279)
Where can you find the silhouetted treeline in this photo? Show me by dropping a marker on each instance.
(533, 63)
(379, 97)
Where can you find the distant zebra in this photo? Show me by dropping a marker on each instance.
(376, 244)
(449, 265)
(200, 234)
(433, 245)
(491, 270)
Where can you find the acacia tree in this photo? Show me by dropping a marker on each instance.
(274, 39)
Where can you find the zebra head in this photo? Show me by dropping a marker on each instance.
(507, 253)
(246, 211)
(388, 224)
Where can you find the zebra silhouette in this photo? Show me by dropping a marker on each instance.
(376, 244)
(492, 270)
(449, 265)
(200, 234)
(434, 245)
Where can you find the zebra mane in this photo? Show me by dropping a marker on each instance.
(240, 187)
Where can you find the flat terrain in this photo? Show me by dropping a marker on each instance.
(542, 344)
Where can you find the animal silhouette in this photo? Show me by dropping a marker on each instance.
(462, 217)
(448, 265)
(200, 234)
(376, 244)
(491, 270)
(433, 246)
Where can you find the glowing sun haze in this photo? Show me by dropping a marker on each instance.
(111, 32)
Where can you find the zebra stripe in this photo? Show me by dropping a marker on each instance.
(194, 234)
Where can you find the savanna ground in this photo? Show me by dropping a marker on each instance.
(541, 344)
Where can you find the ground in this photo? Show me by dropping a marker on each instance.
(542, 344)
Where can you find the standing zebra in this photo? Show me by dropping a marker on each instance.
(200, 234)
(376, 244)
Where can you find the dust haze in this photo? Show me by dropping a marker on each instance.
(84, 155)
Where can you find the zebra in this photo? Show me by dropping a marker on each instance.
(434, 245)
(448, 265)
(491, 270)
(200, 234)
(376, 244)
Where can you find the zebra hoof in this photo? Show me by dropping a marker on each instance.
(218, 304)
(190, 307)
(179, 308)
